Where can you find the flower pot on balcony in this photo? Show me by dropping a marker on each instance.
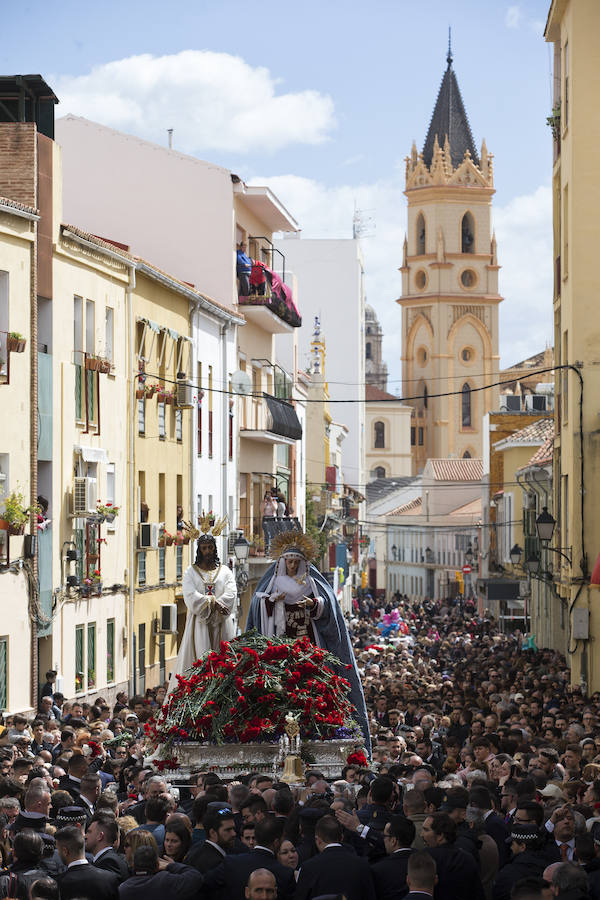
(140, 394)
(15, 344)
(186, 539)
(169, 539)
(161, 542)
(93, 363)
(4, 524)
(105, 366)
(16, 528)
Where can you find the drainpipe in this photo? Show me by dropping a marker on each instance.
(131, 382)
(225, 430)
(194, 316)
(33, 458)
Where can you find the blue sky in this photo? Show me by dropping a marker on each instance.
(322, 101)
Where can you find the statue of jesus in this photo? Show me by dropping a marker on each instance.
(210, 594)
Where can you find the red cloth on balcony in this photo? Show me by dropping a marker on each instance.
(257, 275)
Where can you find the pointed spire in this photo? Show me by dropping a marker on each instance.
(413, 153)
(494, 249)
(405, 252)
(449, 118)
(449, 56)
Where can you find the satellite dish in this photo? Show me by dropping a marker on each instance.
(241, 383)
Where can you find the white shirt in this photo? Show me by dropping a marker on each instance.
(266, 849)
(100, 852)
(216, 846)
(78, 862)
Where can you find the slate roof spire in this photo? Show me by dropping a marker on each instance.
(449, 118)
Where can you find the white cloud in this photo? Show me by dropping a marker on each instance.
(214, 101)
(513, 17)
(523, 231)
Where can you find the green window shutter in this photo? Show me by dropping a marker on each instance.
(78, 393)
(110, 650)
(91, 655)
(79, 673)
(3, 673)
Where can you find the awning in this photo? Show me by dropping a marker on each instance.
(503, 590)
(283, 418)
(92, 454)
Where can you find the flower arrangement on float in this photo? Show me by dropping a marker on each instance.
(243, 694)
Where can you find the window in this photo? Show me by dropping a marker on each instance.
(564, 378)
(3, 673)
(231, 434)
(379, 472)
(564, 263)
(420, 280)
(210, 412)
(110, 491)
(566, 89)
(179, 425)
(467, 233)
(379, 428)
(90, 327)
(79, 672)
(466, 455)
(4, 295)
(141, 417)
(425, 397)
(421, 235)
(466, 406)
(420, 437)
(468, 278)
(142, 649)
(109, 319)
(142, 567)
(179, 561)
(162, 420)
(368, 350)
(161, 564)
(199, 425)
(110, 651)
(91, 655)
(413, 436)
(78, 356)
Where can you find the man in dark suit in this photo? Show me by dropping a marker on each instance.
(100, 838)
(335, 870)
(219, 826)
(389, 874)
(229, 880)
(82, 879)
(78, 767)
(455, 867)
(494, 824)
(156, 879)
(421, 876)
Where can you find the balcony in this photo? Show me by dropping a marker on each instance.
(266, 298)
(269, 420)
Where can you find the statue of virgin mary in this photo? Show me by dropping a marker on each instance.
(294, 600)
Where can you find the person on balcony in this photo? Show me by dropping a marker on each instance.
(294, 600)
(243, 269)
(210, 595)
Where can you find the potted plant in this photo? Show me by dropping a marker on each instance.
(179, 539)
(105, 366)
(107, 511)
(93, 363)
(15, 512)
(15, 342)
(93, 583)
(169, 539)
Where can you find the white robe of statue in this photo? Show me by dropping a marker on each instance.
(211, 600)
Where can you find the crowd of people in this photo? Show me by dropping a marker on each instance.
(484, 783)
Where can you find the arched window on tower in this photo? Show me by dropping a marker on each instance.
(379, 472)
(368, 350)
(466, 455)
(425, 397)
(468, 233)
(379, 429)
(466, 406)
(421, 234)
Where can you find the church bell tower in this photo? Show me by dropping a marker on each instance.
(449, 285)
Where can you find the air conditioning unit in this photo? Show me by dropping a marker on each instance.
(184, 395)
(536, 402)
(167, 623)
(85, 495)
(148, 536)
(510, 403)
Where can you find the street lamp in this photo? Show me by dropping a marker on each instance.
(532, 564)
(544, 524)
(351, 526)
(241, 548)
(394, 551)
(469, 555)
(515, 555)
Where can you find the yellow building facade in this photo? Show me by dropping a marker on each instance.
(572, 27)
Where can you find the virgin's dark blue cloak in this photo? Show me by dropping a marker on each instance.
(333, 635)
